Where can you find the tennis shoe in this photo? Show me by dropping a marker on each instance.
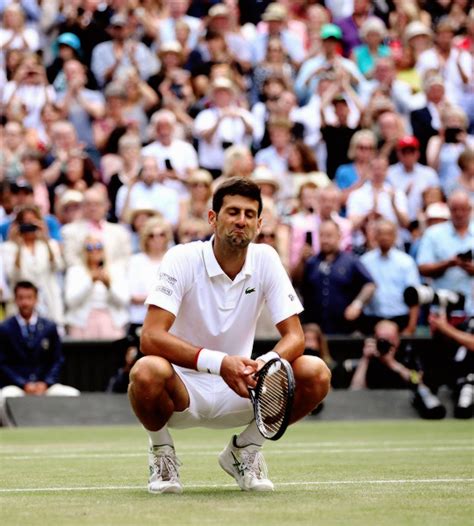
(164, 474)
(246, 465)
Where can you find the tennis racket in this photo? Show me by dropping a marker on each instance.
(272, 398)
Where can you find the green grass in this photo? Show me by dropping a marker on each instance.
(350, 473)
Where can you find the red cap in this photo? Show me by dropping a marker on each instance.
(408, 142)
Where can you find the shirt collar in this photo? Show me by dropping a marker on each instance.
(214, 269)
(23, 323)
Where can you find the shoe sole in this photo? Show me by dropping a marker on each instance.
(168, 489)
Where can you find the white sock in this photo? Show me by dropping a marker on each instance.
(160, 437)
(250, 435)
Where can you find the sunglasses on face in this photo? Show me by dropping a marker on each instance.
(156, 235)
(404, 151)
(365, 147)
(93, 246)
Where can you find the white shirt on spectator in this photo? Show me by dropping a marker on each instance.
(230, 129)
(167, 30)
(142, 272)
(155, 197)
(413, 183)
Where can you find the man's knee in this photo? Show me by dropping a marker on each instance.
(149, 372)
(312, 373)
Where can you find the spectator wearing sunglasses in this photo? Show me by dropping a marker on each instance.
(97, 295)
(155, 238)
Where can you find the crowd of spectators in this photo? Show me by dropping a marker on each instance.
(119, 117)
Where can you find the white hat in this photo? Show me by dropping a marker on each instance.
(262, 175)
(415, 29)
(438, 211)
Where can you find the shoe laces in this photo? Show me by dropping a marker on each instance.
(165, 464)
(253, 462)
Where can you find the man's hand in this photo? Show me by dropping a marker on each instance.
(35, 388)
(370, 349)
(238, 373)
(353, 311)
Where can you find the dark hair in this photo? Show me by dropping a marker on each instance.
(236, 186)
(25, 285)
(308, 159)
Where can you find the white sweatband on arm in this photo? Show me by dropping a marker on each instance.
(208, 361)
(270, 355)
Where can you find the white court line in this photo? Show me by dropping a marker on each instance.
(278, 484)
(291, 445)
(185, 453)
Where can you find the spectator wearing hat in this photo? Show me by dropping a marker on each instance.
(454, 65)
(351, 26)
(79, 104)
(176, 157)
(69, 206)
(220, 20)
(426, 121)
(373, 32)
(329, 60)
(418, 37)
(409, 175)
(111, 57)
(276, 17)
(221, 126)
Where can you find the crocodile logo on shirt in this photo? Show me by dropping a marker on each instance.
(249, 290)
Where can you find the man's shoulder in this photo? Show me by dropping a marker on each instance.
(152, 148)
(7, 325)
(46, 325)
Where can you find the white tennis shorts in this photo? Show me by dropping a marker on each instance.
(212, 403)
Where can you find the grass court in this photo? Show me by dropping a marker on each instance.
(329, 473)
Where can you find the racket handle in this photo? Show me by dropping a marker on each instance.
(270, 355)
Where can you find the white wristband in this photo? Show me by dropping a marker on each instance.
(270, 355)
(210, 361)
(358, 304)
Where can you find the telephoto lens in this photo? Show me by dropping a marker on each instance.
(383, 345)
(427, 404)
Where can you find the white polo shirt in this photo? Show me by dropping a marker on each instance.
(214, 311)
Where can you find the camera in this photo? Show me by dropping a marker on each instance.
(425, 295)
(451, 135)
(168, 164)
(28, 227)
(309, 238)
(465, 256)
(383, 346)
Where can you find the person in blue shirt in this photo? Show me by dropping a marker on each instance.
(393, 271)
(335, 285)
(446, 251)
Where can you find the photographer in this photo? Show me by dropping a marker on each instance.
(454, 362)
(30, 255)
(381, 367)
(445, 252)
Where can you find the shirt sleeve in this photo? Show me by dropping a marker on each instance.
(426, 250)
(280, 295)
(171, 284)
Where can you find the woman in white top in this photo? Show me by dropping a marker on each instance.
(155, 239)
(14, 34)
(97, 296)
(29, 255)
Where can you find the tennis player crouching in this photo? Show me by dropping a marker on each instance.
(198, 337)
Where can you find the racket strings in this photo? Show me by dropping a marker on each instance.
(273, 401)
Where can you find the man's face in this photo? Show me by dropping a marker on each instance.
(329, 238)
(342, 111)
(95, 208)
(149, 171)
(385, 237)
(25, 300)
(408, 156)
(237, 222)
(164, 131)
(378, 167)
(435, 93)
(387, 332)
(460, 209)
(280, 137)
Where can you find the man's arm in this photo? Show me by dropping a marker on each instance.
(51, 370)
(441, 324)
(354, 309)
(291, 344)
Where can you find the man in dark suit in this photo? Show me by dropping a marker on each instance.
(426, 121)
(30, 351)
